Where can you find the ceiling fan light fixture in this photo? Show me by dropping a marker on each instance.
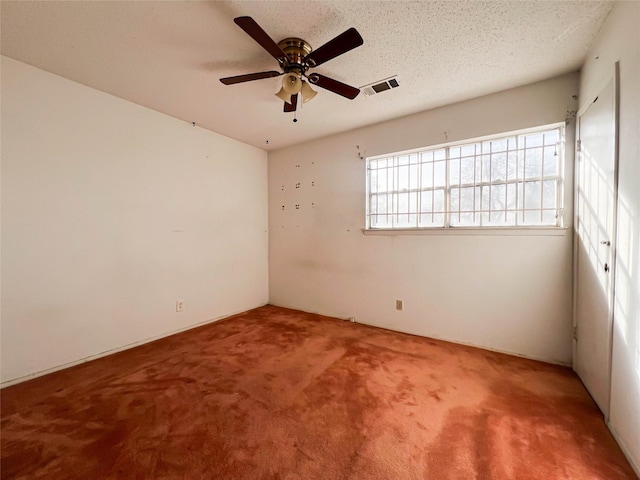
(291, 83)
(307, 92)
(284, 95)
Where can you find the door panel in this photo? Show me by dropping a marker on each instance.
(595, 227)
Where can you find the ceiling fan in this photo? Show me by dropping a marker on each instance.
(295, 57)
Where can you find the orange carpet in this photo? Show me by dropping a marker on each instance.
(279, 394)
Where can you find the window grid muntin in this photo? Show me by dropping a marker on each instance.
(521, 152)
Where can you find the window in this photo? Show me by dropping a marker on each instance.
(507, 181)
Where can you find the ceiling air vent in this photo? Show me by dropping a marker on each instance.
(380, 86)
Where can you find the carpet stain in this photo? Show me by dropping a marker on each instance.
(279, 394)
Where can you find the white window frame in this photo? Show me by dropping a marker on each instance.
(447, 212)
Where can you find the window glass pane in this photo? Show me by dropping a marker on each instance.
(495, 146)
(521, 165)
(467, 171)
(467, 198)
(381, 181)
(403, 203)
(382, 204)
(512, 158)
(426, 202)
(497, 218)
(532, 217)
(454, 172)
(485, 162)
(432, 219)
(439, 174)
(426, 156)
(498, 197)
(413, 176)
(373, 181)
(484, 198)
(427, 175)
(403, 221)
(532, 203)
(498, 167)
(403, 178)
(551, 138)
(455, 200)
(533, 140)
(550, 161)
(533, 159)
(511, 196)
(413, 202)
(550, 194)
(438, 201)
(549, 217)
(468, 150)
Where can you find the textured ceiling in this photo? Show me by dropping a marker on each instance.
(168, 56)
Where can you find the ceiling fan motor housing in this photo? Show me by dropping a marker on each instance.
(296, 49)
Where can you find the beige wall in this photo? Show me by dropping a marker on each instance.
(619, 40)
(505, 292)
(110, 213)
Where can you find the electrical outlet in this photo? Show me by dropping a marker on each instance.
(399, 305)
(179, 305)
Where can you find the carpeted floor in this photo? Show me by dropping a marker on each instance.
(280, 394)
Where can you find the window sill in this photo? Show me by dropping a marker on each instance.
(490, 231)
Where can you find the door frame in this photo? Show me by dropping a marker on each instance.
(614, 233)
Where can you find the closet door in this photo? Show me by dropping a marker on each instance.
(595, 223)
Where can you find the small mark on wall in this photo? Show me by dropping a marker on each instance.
(297, 206)
(298, 185)
(282, 188)
(297, 166)
(313, 184)
(282, 207)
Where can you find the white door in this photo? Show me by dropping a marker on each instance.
(596, 197)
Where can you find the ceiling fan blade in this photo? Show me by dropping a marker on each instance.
(291, 107)
(334, 86)
(249, 77)
(255, 31)
(344, 42)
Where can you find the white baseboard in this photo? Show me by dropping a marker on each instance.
(40, 373)
(435, 337)
(634, 462)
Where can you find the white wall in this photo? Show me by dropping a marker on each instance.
(619, 40)
(110, 213)
(505, 292)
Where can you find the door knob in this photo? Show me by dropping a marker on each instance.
(606, 267)
(606, 242)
